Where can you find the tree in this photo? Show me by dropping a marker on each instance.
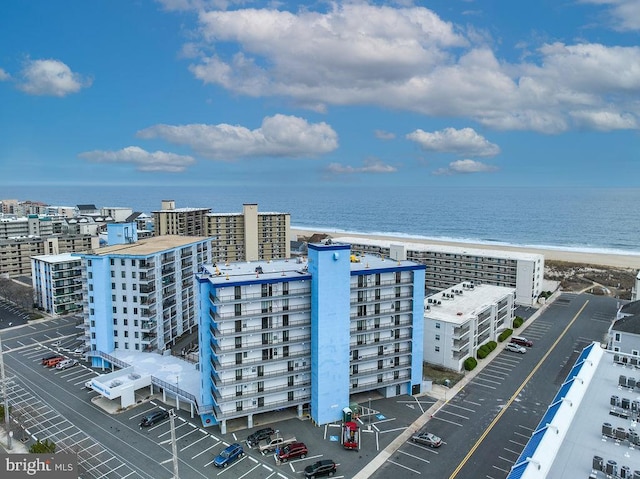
(43, 447)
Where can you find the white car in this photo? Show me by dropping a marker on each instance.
(515, 348)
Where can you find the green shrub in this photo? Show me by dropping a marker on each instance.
(482, 353)
(43, 447)
(517, 322)
(492, 345)
(470, 363)
(505, 334)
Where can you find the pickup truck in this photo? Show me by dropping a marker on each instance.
(273, 443)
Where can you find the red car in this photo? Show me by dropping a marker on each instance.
(292, 451)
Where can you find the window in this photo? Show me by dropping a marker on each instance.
(135, 334)
(126, 345)
(115, 321)
(126, 321)
(113, 285)
(135, 321)
(134, 287)
(113, 274)
(93, 323)
(91, 287)
(111, 261)
(122, 262)
(92, 312)
(126, 334)
(115, 344)
(93, 335)
(133, 274)
(437, 337)
(115, 333)
(124, 310)
(437, 349)
(124, 285)
(135, 311)
(114, 310)
(137, 347)
(91, 299)
(437, 325)
(617, 337)
(123, 274)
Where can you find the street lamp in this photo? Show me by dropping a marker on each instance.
(369, 427)
(3, 379)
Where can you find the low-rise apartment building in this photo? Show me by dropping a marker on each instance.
(449, 265)
(277, 334)
(458, 320)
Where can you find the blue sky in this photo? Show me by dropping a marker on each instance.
(206, 92)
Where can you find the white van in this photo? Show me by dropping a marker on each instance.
(67, 363)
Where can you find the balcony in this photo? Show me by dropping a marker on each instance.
(231, 298)
(246, 346)
(222, 332)
(254, 392)
(260, 313)
(231, 364)
(147, 326)
(373, 342)
(387, 353)
(382, 312)
(373, 385)
(254, 408)
(253, 375)
(371, 327)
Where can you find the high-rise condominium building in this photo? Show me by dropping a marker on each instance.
(246, 236)
(141, 295)
(277, 334)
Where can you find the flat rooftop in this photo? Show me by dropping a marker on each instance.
(460, 303)
(437, 248)
(147, 246)
(57, 258)
(170, 369)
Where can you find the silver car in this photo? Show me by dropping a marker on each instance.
(515, 348)
(427, 439)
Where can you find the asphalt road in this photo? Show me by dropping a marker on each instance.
(486, 425)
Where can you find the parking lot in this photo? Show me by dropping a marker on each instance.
(54, 404)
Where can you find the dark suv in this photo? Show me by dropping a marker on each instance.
(260, 435)
(154, 417)
(325, 467)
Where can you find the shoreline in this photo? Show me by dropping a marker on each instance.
(626, 261)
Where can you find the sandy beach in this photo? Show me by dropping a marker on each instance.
(583, 258)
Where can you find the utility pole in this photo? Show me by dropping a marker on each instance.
(5, 395)
(174, 449)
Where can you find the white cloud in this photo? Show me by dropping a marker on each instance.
(465, 167)
(50, 77)
(624, 14)
(278, 136)
(605, 120)
(464, 142)
(370, 165)
(4, 75)
(384, 135)
(142, 159)
(408, 58)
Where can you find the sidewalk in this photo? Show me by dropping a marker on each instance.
(17, 447)
(442, 396)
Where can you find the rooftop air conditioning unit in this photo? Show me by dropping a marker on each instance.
(439, 303)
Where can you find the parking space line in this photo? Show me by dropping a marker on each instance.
(208, 449)
(512, 452)
(499, 468)
(403, 466)
(495, 371)
(169, 431)
(516, 442)
(445, 420)
(414, 456)
(481, 377)
(483, 385)
(185, 435)
(193, 443)
(394, 430)
(526, 436)
(446, 411)
(249, 471)
(424, 448)
(460, 407)
(112, 470)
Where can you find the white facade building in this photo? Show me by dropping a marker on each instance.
(458, 320)
(449, 265)
(57, 282)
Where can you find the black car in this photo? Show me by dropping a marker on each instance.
(154, 417)
(260, 435)
(325, 467)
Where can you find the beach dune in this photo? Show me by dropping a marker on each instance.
(630, 261)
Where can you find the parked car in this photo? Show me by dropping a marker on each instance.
(427, 439)
(291, 451)
(260, 435)
(154, 417)
(273, 443)
(228, 455)
(515, 348)
(67, 363)
(53, 361)
(521, 341)
(326, 467)
(49, 357)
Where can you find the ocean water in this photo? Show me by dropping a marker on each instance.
(582, 219)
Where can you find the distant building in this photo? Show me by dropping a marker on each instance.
(15, 254)
(246, 236)
(25, 226)
(140, 296)
(624, 332)
(635, 291)
(458, 320)
(57, 283)
(278, 334)
(449, 265)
